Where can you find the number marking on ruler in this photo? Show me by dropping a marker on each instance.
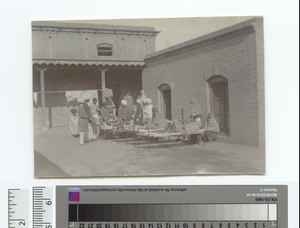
(18, 208)
(42, 207)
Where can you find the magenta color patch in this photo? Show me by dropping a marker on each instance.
(74, 196)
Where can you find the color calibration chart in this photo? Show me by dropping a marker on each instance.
(171, 206)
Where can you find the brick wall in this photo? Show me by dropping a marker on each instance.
(233, 55)
(83, 45)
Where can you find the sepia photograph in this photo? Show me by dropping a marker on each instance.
(148, 97)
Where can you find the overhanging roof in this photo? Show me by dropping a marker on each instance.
(94, 63)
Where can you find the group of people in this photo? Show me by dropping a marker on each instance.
(85, 120)
(207, 122)
(198, 121)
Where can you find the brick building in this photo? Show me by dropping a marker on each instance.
(223, 70)
(68, 57)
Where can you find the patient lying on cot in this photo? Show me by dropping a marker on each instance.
(209, 133)
(158, 121)
(107, 114)
(194, 126)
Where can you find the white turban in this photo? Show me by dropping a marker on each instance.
(148, 101)
(123, 102)
(86, 96)
(80, 100)
(198, 120)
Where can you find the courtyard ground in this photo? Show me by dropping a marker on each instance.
(58, 154)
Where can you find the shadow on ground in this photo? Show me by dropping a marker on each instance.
(42, 166)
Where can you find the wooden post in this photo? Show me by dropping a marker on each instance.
(103, 83)
(44, 125)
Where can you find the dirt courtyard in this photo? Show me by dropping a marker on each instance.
(58, 154)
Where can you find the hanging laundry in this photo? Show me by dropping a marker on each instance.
(35, 97)
(73, 95)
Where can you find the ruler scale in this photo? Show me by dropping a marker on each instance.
(43, 207)
(18, 208)
(148, 207)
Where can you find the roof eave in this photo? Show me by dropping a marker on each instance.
(190, 43)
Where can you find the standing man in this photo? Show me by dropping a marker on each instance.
(139, 114)
(148, 112)
(124, 112)
(94, 107)
(83, 118)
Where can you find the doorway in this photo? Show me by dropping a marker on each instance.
(165, 98)
(219, 102)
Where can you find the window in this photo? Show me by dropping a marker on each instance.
(104, 49)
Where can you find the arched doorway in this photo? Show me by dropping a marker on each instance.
(165, 101)
(219, 102)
